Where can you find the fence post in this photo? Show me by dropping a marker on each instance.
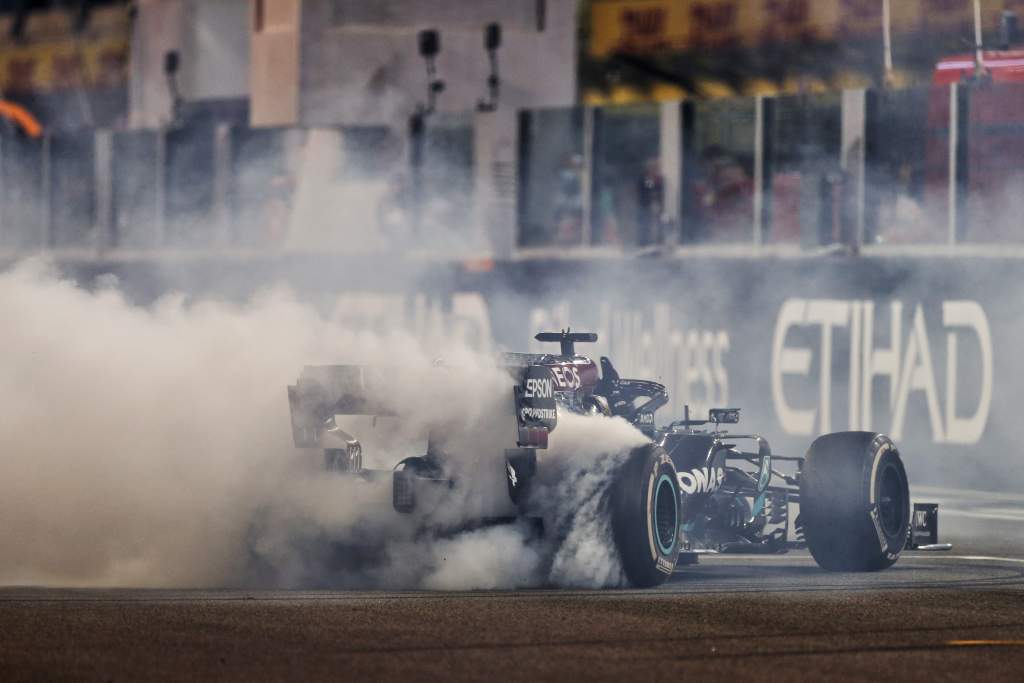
(221, 184)
(688, 174)
(852, 156)
(959, 118)
(766, 149)
(963, 122)
(417, 135)
(758, 236)
(161, 187)
(46, 194)
(3, 193)
(587, 176)
(524, 141)
(670, 156)
(106, 236)
(951, 196)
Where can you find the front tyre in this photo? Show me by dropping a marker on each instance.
(644, 508)
(854, 501)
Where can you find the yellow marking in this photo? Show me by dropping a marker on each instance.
(985, 643)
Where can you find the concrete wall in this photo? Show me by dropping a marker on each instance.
(348, 62)
(159, 27)
(216, 37)
(212, 39)
(360, 63)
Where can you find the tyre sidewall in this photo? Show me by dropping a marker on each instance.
(839, 501)
(647, 474)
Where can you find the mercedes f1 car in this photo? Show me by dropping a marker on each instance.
(695, 486)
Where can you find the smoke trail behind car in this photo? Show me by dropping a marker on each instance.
(151, 447)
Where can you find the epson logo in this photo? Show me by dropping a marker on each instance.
(701, 480)
(539, 388)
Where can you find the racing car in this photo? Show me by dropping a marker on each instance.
(692, 487)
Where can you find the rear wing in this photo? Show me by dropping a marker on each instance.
(323, 391)
(567, 339)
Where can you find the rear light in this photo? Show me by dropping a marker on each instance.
(533, 437)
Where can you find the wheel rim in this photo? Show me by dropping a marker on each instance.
(891, 502)
(666, 514)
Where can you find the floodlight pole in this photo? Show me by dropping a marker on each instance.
(429, 47)
(171, 62)
(417, 126)
(492, 41)
(429, 42)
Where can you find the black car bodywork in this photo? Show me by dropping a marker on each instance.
(733, 493)
(736, 494)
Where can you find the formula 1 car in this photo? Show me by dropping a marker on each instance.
(691, 488)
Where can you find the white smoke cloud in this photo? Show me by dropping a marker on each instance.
(152, 447)
(585, 452)
(498, 557)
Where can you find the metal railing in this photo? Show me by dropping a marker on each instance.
(938, 165)
(858, 169)
(208, 187)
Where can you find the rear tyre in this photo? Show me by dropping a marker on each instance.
(645, 512)
(854, 501)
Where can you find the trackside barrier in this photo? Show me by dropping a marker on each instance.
(937, 165)
(931, 165)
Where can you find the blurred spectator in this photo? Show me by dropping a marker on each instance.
(568, 211)
(650, 205)
(724, 198)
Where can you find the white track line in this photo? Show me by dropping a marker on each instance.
(931, 555)
(924, 492)
(972, 558)
(973, 514)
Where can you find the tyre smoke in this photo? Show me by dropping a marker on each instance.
(152, 447)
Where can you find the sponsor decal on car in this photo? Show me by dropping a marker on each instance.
(530, 414)
(512, 474)
(567, 379)
(539, 388)
(701, 480)
(882, 542)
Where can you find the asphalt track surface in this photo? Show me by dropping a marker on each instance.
(957, 616)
